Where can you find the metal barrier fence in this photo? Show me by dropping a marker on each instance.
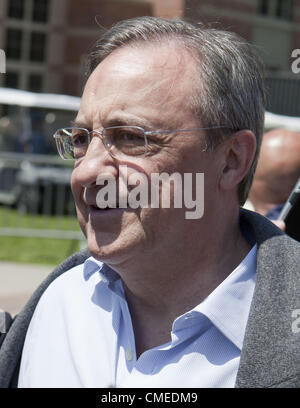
(36, 199)
(283, 95)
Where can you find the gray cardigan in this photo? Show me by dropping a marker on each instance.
(271, 349)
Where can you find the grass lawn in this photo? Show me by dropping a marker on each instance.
(48, 251)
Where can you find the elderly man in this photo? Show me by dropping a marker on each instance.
(166, 299)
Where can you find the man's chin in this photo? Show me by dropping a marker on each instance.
(98, 242)
(100, 253)
(105, 247)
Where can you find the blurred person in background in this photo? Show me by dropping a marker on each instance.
(277, 172)
(33, 138)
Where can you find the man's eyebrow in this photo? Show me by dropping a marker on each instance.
(79, 124)
(121, 121)
(131, 121)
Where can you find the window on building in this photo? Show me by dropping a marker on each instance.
(37, 46)
(13, 43)
(11, 80)
(284, 9)
(280, 9)
(263, 7)
(40, 10)
(15, 9)
(35, 83)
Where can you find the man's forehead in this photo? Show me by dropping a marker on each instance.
(134, 77)
(134, 59)
(137, 61)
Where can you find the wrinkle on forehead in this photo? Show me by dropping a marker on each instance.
(159, 76)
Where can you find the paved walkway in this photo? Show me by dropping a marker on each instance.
(17, 283)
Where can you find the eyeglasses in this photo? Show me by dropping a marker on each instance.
(120, 141)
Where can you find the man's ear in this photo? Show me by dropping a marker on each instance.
(239, 153)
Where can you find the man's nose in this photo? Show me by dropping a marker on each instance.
(97, 161)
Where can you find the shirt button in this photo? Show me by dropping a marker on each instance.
(129, 355)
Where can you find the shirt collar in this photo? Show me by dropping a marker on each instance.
(228, 306)
(92, 265)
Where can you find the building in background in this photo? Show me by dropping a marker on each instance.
(46, 41)
(272, 25)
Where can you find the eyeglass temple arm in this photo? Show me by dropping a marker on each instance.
(151, 132)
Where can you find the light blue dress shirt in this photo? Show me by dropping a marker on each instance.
(81, 335)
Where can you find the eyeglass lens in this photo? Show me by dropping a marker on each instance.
(72, 143)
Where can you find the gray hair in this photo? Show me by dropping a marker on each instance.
(230, 89)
